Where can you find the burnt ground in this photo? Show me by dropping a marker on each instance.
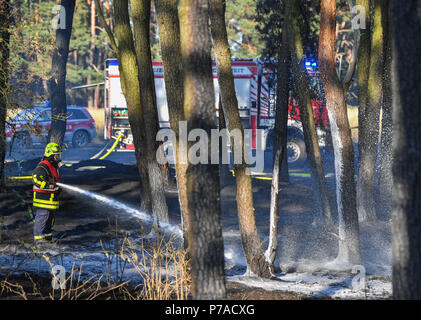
(82, 224)
(37, 287)
(79, 220)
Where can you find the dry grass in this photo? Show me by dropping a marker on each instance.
(73, 287)
(163, 270)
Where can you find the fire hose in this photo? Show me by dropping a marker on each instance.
(23, 201)
(92, 158)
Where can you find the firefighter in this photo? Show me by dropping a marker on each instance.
(45, 200)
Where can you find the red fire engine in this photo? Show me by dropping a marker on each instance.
(256, 91)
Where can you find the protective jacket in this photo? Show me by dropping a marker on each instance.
(45, 174)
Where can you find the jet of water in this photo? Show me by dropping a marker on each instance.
(110, 202)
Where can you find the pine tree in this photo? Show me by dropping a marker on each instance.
(169, 36)
(307, 118)
(57, 80)
(250, 238)
(406, 226)
(202, 179)
(241, 25)
(349, 238)
(4, 79)
(124, 49)
(140, 14)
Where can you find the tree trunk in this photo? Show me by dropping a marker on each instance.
(252, 246)
(4, 80)
(307, 117)
(169, 37)
(279, 145)
(140, 10)
(108, 13)
(385, 178)
(127, 64)
(91, 93)
(270, 253)
(369, 115)
(349, 243)
(57, 81)
(202, 179)
(406, 226)
(364, 51)
(282, 101)
(225, 175)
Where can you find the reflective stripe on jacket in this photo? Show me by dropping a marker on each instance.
(44, 175)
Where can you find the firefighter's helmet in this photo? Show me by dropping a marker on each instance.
(52, 149)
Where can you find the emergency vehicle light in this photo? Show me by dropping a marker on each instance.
(310, 63)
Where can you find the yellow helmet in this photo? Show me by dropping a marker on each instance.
(51, 149)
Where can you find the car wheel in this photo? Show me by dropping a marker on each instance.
(296, 151)
(22, 141)
(80, 139)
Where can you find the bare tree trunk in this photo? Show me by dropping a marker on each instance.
(282, 101)
(385, 178)
(370, 116)
(102, 55)
(307, 117)
(140, 10)
(364, 51)
(131, 89)
(202, 179)
(97, 97)
(57, 81)
(406, 226)
(91, 94)
(127, 64)
(250, 238)
(4, 80)
(270, 253)
(225, 175)
(279, 145)
(169, 37)
(349, 243)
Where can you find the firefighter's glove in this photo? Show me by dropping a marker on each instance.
(51, 184)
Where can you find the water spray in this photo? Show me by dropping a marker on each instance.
(110, 202)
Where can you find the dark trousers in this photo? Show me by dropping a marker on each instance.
(44, 220)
